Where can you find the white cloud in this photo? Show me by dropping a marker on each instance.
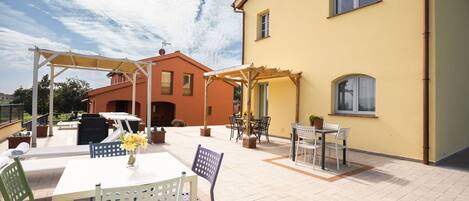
(16, 58)
(136, 29)
(132, 29)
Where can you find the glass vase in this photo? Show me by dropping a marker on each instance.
(132, 160)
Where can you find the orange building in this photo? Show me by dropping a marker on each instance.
(177, 93)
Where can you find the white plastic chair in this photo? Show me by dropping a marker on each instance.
(168, 190)
(337, 144)
(307, 139)
(292, 130)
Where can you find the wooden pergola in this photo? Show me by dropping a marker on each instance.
(72, 60)
(249, 75)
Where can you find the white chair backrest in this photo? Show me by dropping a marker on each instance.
(306, 132)
(343, 134)
(331, 126)
(170, 190)
(294, 125)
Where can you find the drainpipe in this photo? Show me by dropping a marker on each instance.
(242, 48)
(426, 80)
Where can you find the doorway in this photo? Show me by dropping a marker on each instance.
(162, 113)
(263, 103)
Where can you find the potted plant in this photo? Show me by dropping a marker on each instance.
(131, 142)
(316, 121)
(158, 136)
(42, 130)
(17, 138)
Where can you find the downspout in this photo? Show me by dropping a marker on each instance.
(426, 80)
(242, 48)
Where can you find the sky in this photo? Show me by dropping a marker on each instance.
(206, 30)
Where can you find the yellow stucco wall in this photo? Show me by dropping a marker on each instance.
(383, 41)
(452, 70)
(8, 130)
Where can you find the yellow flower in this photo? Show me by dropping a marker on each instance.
(132, 141)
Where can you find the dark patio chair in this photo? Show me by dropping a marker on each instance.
(264, 128)
(206, 164)
(92, 129)
(13, 183)
(108, 149)
(239, 123)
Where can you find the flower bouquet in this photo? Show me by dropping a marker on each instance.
(131, 142)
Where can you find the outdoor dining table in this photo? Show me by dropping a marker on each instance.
(80, 176)
(323, 133)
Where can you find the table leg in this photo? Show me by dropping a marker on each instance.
(293, 145)
(193, 188)
(344, 152)
(323, 151)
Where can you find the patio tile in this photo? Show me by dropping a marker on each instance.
(245, 175)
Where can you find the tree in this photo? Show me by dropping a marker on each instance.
(69, 95)
(24, 96)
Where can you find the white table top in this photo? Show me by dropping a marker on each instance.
(119, 116)
(81, 176)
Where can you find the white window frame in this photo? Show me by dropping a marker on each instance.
(356, 4)
(267, 27)
(355, 83)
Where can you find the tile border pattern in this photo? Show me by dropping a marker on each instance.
(361, 169)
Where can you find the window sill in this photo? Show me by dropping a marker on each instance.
(349, 11)
(372, 116)
(259, 39)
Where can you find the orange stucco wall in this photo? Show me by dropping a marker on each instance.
(188, 108)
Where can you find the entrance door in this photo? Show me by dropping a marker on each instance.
(162, 113)
(263, 102)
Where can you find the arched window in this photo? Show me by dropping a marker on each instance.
(355, 94)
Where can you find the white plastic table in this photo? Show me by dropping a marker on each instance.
(80, 176)
(118, 117)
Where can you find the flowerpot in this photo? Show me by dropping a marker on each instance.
(249, 142)
(205, 132)
(318, 123)
(14, 141)
(158, 136)
(42, 130)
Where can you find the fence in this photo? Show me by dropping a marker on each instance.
(41, 120)
(11, 113)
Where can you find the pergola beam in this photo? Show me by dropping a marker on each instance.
(249, 75)
(69, 60)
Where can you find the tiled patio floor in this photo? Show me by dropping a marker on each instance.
(245, 175)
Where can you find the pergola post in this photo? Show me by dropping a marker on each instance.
(34, 101)
(206, 131)
(134, 84)
(248, 104)
(149, 81)
(51, 101)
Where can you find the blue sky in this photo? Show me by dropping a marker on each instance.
(207, 30)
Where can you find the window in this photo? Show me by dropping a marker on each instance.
(187, 84)
(355, 95)
(166, 83)
(342, 6)
(209, 110)
(263, 25)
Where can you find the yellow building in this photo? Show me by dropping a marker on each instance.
(363, 65)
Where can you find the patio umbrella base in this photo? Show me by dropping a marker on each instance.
(249, 142)
(205, 132)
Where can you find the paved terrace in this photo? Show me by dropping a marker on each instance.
(246, 175)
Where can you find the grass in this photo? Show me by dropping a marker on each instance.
(57, 117)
